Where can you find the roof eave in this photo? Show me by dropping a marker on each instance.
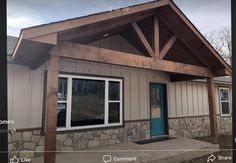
(81, 21)
(17, 44)
(203, 39)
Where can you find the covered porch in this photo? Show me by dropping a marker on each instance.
(165, 41)
(168, 151)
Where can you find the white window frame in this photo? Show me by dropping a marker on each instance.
(106, 111)
(220, 101)
(67, 101)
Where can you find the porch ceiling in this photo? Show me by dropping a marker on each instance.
(32, 53)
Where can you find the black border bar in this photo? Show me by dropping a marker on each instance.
(233, 19)
(3, 82)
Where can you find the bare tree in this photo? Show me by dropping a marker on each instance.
(221, 41)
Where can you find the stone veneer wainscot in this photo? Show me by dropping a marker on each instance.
(189, 127)
(23, 141)
(198, 126)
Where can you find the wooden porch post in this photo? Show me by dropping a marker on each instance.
(212, 109)
(51, 111)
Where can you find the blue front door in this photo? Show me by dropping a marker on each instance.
(157, 109)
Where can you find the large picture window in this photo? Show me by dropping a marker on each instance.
(224, 101)
(88, 102)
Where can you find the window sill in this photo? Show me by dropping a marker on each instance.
(77, 130)
(226, 115)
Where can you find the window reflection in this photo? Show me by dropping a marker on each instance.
(155, 103)
(114, 112)
(62, 89)
(88, 102)
(225, 107)
(61, 114)
(224, 94)
(114, 91)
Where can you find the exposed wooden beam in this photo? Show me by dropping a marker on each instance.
(103, 27)
(143, 39)
(49, 39)
(221, 72)
(51, 111)
(156, 37)
(212, 109)
(167, 46)
(184, 78)
(186, 43)
(85, 52)
(199, 35)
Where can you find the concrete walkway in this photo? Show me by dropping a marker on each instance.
(169, 151)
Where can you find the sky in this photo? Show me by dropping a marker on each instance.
(206, 15)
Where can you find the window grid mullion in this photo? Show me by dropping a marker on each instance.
(69, 103)
(225, 101)
(110, 101)
(62, 101)
(121, 101)
(106, 102)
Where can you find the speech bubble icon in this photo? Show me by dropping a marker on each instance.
(107, 158)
